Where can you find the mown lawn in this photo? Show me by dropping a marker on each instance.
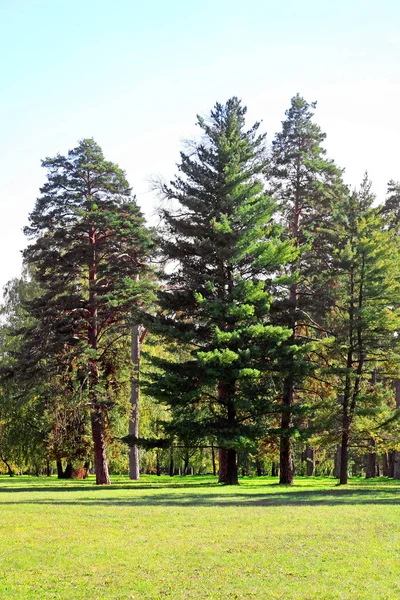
(188, 537)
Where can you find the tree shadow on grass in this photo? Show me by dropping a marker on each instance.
(330, 497)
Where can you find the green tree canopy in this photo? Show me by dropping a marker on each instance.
(226, 249)
(89, 253)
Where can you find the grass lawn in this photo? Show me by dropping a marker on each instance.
(188, 537)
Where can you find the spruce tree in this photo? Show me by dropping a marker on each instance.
(308, 188)
(90, 245)
(225, 249)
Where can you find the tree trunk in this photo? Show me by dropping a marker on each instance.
(68, 471)
(346, 421)
(171, 461)
(245, 465)
(186, 463)
(371, 465)
(385, 464)
(134, 472)
(391, 464)
(100, 457)
(309, 459)
(286, 473)
(223, 465)
(232, 470)
(214, 466)
(158, 465)
(60, 471)
(200, 469)
(370, 460)
(356, 467)
(396, 464)
(285, 457)
(336, 461)
(96, 416)
(344, 458)
(228, 470)
(396, 453)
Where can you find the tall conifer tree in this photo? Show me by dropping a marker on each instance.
(309, 189)
(90, 245)
(225, 248)
(366, 313)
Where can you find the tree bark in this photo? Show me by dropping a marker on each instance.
(134, 472)
(337, 460)
(68, 471)
(286, 472)
(370, 460)
(96, 416)
(352, 384)
(285, 456)
(344, 457)
(232, 469)
(158, 464)
(228, 470)
(245, 465)
(391, 464)
(214, 466)
(309, 459)
(396, 464)
(60, 471)
(171, 461)
(344, 448)
(100, 457)
(351, 391)
(396, 454)
(385, 464)
(223, 465)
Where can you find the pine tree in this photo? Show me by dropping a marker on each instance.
(366, 312)
(90, 245)
(225, 249)
(308, 188)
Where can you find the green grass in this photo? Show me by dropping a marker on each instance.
(188, 537)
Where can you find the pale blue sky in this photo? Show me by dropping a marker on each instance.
(134, 75)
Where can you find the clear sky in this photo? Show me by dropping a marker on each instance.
(134, 74)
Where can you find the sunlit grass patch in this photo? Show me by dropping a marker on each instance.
(188, 537)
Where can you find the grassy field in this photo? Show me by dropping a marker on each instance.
(188, 537)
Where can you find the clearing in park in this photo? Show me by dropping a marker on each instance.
(188, 537)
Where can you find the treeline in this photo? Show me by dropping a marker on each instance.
(261, 317)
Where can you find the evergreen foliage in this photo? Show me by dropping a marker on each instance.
(90, 246)
(365, 318)
(274, 336)
(309, 189)
(226, 249)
